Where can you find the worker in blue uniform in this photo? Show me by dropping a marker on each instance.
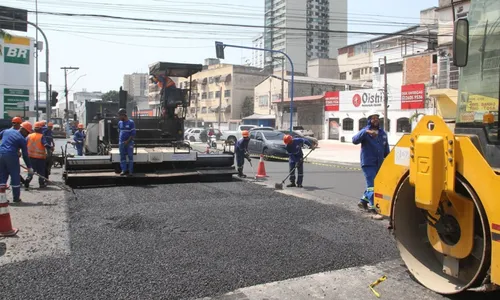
(79, 138)
(374, 149)
(126, 128)
(295, 156)
(47, 133)
(241, 151)
(12, 141)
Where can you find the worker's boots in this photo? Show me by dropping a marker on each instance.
(240, 173)
(291, 185)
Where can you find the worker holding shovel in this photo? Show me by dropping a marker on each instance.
(295, 160)
(241, 151)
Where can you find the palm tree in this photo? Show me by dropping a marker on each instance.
(4, 35)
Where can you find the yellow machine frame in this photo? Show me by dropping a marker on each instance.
(430, 158)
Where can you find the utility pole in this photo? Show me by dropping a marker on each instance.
(220, 104)
(282, 89)
(66, 94)
(37, 92)
(270, 95)
(386, 119)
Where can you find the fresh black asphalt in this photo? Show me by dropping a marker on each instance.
(192, 240)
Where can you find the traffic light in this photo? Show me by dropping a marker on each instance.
(53, 98)
(219, 50)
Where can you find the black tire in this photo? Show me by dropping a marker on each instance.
(232, 139)
(192, 139)
(266, 154)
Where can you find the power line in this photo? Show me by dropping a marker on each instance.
(101, 16)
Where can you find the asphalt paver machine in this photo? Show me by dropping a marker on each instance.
(159, 147)
(440, 187)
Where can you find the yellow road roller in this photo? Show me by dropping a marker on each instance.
(440, 188)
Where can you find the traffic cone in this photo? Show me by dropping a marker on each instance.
(6, 229)
(261, 171)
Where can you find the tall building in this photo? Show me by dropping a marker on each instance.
(257, 55)
(304, 34)
(136, 84)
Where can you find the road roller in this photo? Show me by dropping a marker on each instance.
(439, 186)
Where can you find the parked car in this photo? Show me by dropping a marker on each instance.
(305, 132)
(300, 135)
(194, 135)
(269, 143)
(263, 128)
(234, 135)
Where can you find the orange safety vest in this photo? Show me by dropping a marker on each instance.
(35, 147)
(169, 82)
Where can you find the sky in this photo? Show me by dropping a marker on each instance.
(106, 49)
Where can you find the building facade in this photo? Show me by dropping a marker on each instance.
(257, 55)
(300, 45)
(136, 84)
(219, 91)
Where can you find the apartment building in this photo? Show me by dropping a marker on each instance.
(257, 55)
(136, 84)
(303, 45)
(221, 87)
(78, 104)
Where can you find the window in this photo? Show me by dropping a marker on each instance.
(210, 95)
(342, 76)
(263, 100)
(204, 95)
(381, 122)
(217, 94)
(356, 74)
(403, 125)
(204, 110)
(362, 123)
(227, 93)
(347, 124)
(210, 80)
(252, 134)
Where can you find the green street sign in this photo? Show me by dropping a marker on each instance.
(14, 99)
(16, 55)
(16, 92)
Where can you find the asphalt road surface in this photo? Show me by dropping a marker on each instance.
(193, 240)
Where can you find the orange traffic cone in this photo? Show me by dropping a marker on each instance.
(5, 223)
(261, 171)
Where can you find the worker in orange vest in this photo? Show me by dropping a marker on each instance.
(37, 152)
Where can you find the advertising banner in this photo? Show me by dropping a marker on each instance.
(413, 96)
(332, 100)
(17, 75)
(362, 99)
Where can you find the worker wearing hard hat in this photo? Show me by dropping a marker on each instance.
(126, 128)
(37, 152)
(47, 132)
(374, 149)
(295, 156)
(16, 123)
(241, 151)
(79, 138)
(12, 141)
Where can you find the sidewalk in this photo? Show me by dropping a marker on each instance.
(335, 152)
(42, 221)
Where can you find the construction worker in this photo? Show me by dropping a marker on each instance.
(16, 123)
(12, 141)
(241, 151)
(374, 149)
(47, 132)
(126, 128)
(79, 139)
(37, 152)
(295, 155)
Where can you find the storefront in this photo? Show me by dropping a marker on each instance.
(346, 111)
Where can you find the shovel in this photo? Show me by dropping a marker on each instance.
(52, 182)
(279, 186)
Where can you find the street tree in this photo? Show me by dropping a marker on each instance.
(247, 108)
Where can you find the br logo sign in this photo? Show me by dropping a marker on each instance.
(356, 100)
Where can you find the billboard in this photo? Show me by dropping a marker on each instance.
(13, 19)
(362, 99)
(413, 96)
(332, 100)
(17, 75)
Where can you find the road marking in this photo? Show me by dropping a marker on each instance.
(350, 283)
